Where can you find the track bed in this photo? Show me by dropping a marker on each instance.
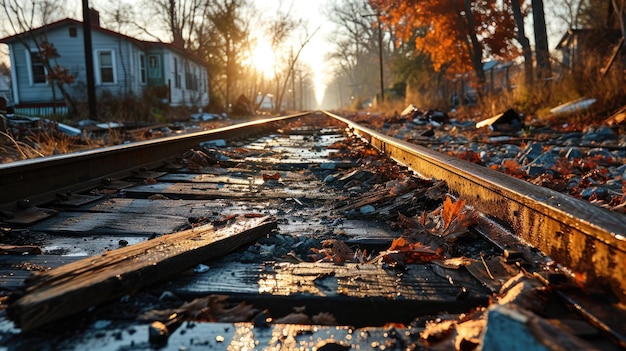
(302, 237)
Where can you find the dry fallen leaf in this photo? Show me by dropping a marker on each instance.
(275, 176)
(211, 308)
(451, 210)
(333, 250)
(449, 221)
(195, 159)
(402, 251)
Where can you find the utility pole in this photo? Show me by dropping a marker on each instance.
(293, 89)
(380, 62)
(301, 94)
(91, 88)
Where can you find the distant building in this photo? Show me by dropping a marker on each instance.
(497, 79)
(122, 66)
(577, 46)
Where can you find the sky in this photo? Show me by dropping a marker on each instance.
(312, 12)
(314, 53)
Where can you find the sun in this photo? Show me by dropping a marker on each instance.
(263, 58)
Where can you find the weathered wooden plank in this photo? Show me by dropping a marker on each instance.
(26, 216)
(236, 177)
(367, 293)
(15, 269)
(75, 200)
(131, 224)
(20, 250)
(71, 288)
(417, 282)
(295, 164)
(381, 195)
(232, 336)
(191, 191)
(183, 208)
(209, 178)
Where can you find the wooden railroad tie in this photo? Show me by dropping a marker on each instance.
(69, 289)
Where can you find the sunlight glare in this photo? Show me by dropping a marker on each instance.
(263, 58)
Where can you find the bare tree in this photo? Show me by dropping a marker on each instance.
(181, 19)
(619, 8)
(566, 12)
(223, 41)
(356, 46)
(280, 30)
(292, 63)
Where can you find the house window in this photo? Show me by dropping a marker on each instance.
(106, 67)
(73, 32)
(37, 69)
(191, 80)
(176, 74)
(142, 68)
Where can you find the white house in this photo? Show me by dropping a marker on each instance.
(122, 66)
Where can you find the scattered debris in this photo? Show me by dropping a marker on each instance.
(333, 250)
(508, 121)
(571, 107)
(617, 118)
(404, 252)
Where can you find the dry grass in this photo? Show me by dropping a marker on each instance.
(537, 100)
(52, 142)
(13, 150)
(41, 144)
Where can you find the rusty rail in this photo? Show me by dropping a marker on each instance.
(587, 240)
(579, 236)
(38, 180)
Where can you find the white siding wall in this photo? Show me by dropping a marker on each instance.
(182, 95)
(126, 66)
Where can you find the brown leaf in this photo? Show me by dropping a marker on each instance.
(402, 251)
(451, 210)
(275, 176)
(339, 251)
(211, 308)
(253, 215)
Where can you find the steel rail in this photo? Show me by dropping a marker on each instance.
(39, 180)
(583, 238)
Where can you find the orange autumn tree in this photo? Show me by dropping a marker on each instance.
(457, 34)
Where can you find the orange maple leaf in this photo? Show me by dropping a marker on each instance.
(405, 252)
(451, 210)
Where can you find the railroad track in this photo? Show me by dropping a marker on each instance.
(123, 236)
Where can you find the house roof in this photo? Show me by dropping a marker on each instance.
(597, 36)
(564, 42)
(94, 27)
